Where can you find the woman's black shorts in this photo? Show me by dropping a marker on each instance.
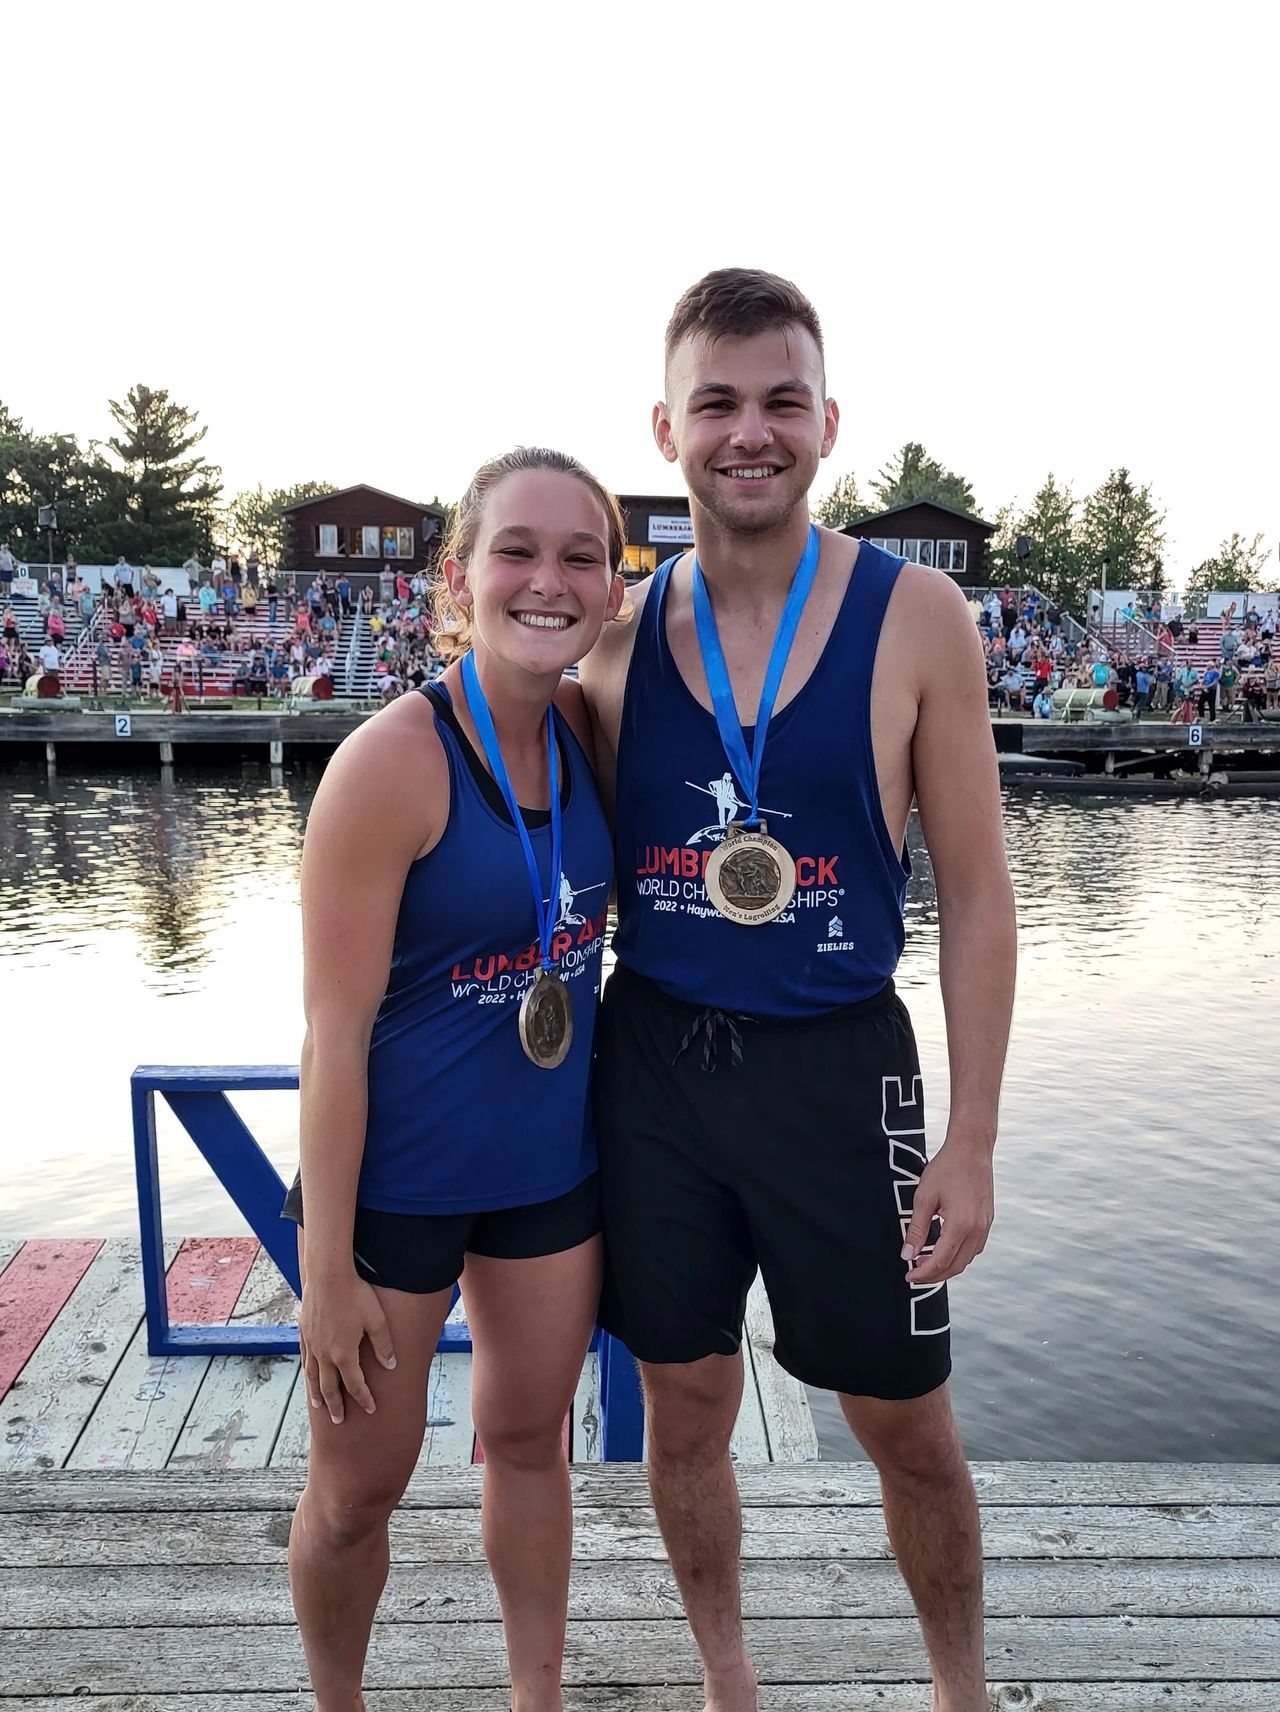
(729, 1143)
(425, 1252)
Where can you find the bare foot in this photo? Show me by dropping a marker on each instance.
(733, 1690)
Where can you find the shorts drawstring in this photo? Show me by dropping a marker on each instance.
(707, 1023)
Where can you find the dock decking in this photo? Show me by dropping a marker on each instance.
(142, 1558)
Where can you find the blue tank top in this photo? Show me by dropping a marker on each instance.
(841, 939)
(459, 1119)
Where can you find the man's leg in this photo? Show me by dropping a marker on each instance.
(932, 1517)
(691, 1408)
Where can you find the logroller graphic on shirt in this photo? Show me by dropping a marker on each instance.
(576, 941)
(724, 793)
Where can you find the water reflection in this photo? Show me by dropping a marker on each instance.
(1121, 1308)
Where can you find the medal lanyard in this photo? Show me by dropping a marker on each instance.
(479, 708)
(749, 767)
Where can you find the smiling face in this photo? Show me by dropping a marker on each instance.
(538, 585)
(748, 422)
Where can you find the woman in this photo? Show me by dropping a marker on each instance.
(445, 1127)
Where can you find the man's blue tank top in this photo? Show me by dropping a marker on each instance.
(459, 1119)
(841, 939)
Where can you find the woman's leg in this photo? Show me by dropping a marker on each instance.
(338, 1548)
(531, 1322)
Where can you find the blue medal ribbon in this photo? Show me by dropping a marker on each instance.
(545, 914)
(747, 768)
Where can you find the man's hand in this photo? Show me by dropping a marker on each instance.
(957, 1188)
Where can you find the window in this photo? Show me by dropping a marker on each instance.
(918, 551)
(639, 561)
(390, 546)
(888, 542)
(372, 548)
(952, 556)
(404, 540)
(327, 540)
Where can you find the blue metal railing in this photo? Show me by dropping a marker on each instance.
(197, 1095)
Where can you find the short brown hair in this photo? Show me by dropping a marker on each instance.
(453, 622)
(737, 302)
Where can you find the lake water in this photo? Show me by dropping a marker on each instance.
(1126, 1305)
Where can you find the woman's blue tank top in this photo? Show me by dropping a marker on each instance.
(841, 938)
(459, 1119)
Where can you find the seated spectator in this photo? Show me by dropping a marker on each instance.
(1042, 706)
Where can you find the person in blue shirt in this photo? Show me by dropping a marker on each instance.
(438, 1140)
(1042, 706)
(1143, 681)
(1209, 693)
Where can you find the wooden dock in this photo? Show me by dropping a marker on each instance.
(145, 1506)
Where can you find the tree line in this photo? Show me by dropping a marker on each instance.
(1068, 541)
(146, 492)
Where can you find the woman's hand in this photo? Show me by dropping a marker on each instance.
(337, 1316)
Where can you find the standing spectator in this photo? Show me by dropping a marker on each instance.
(272, 593)
(169, 607)
(229, 594)
(1209, 693)
(50, 659)
(1229, 643)
(123, 575)
(249, 599)
(386, 584)
(194, 569)
(253, 567)
(217, 569)
(344, 594)
(1143, 680)
(1228, 678)
(8, 569)
(1164, 684)
(55, 625)
(155, 672)
(208, 598)
(1013, 689)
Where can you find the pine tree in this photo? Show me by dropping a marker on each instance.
(842, 505)
(1236, 565)
(167, 496)
(912, 475)
(1123, 525)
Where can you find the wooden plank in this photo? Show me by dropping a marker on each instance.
(36, 1284)
(9, 1246)
(240, 1407)
(1144, 1696)
(586, 1443)
(153, 1597)
(818, 1650)
(788, 1418)
(841, 1485)
(67, 1537)
(47, 1406)
(140, 1413)
(293, 1441)
(207, 1275)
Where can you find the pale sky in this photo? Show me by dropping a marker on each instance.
(383, 242)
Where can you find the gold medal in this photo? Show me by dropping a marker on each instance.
(751, 878)
(546, 1020)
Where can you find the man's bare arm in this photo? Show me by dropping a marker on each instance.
(958, 794)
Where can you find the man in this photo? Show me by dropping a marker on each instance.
(758, 1100)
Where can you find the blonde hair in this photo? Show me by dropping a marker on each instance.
(452, 637)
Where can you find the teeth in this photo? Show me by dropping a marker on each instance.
(753, 473)
(543, 620)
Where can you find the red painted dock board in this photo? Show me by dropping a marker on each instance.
(34, 1288)
(207, 1276)
(477, 1449)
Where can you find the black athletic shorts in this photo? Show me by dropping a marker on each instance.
(727, 1143)
(425, 1252)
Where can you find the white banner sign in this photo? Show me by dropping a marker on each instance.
(671, 529)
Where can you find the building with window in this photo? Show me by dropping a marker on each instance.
(360, 529)
(931, 534)
(658, 525)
